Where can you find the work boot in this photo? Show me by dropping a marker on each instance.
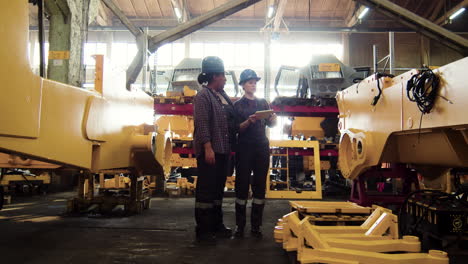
(256, 232)
(239, 233)
(204, 230)
(256, 217)
(205, 238)
(220, 229)
(240, 215)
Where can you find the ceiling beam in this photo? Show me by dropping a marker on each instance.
(122, 17)
(437, 9)
(183, 30)
(430, 9)
(104, 18)
(444, 18)
(279, 15)
(352, 9)
(419, 24)
(199, 22)
(182, 6)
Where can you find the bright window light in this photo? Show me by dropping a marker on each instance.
(461, 10)
(363, 13)
(177, 12)
(271, 9)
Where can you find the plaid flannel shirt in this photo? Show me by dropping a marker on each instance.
(210, 121)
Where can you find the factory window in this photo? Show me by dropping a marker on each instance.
(196, 50)
(256, 55)
(132, 50)
(178, 53)
(242, 54)
(164, 55)
(91, 49)
(227, 54)
(119, 54)
(211, 49)
(300, 54)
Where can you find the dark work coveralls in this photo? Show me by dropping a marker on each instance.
(213, 122)
(252, 156)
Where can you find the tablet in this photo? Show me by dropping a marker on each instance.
(264, 114)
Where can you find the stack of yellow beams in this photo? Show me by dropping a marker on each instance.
(367, 243)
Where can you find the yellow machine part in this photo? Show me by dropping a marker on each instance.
(390, 132)
(189, 92)
(309, 163)
(367, 243)
(62, 124)
(178, 161)
(289, 193)
(307, 127)
(6, 179)
(14, 161)
(181, 127)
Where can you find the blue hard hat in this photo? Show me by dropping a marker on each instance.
(212, 64)
(248, 74)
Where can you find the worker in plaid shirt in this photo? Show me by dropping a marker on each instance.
(216, 126)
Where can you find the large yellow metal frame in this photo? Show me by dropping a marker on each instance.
(293, 194)
(389, 131)
(62, 124)
(14, 161)
(348, 244)
(107, 128)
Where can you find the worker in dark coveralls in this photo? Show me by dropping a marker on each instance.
(252, 156)
(216, 127)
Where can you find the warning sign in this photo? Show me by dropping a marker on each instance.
(329, 67)
(59, 55)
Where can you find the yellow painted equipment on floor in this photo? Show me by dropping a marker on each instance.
(61, 124)
(307, 127)
(285, 149)
(390, 128)
(367, 243)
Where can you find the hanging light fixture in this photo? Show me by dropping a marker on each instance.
(363, 13)
(454, 15)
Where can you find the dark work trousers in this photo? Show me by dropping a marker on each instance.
(251, 159)
(209, 193)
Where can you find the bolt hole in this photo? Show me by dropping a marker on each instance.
(359, 147)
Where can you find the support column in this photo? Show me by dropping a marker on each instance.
(109, 41)
(187, 42)
(59, 40)
(67, 33)
(345, 43)
(425, 51)
(391, 49)
(267, 61)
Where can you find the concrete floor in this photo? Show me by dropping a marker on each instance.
(32, 230)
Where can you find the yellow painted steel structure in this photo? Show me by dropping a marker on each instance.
(313, 207)
(390, 132)
(307, 127)
(15, 161)
(293, 194)
(180, 127)
(5, 180)
(315, 245)
(62, 124)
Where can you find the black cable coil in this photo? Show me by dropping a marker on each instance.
(423, 88)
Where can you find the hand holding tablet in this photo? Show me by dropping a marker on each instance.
(263, 114)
